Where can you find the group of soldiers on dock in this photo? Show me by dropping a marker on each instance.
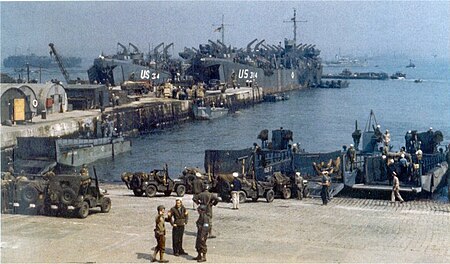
(178, 218)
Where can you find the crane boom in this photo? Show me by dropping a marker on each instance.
(60, 62)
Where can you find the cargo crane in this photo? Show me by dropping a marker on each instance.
(58, 59)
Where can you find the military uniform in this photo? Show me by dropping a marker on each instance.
(208, 199)
(325, 186)
(203, 227)
(160, 235)
(236, 187)
(178, 219)
(298, 186)
(7, 189)
(396, 189)
(351, 157)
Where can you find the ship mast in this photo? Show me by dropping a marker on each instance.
(221, 28)
(294, 20)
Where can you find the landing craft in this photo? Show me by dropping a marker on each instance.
(275, 68)
(425, 167)
(132, 66)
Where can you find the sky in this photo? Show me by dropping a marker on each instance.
(355, 28)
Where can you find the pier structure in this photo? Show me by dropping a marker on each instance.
(140, 116)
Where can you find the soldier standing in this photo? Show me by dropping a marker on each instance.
(208, 199)
(7, 188)
(235, 190)
(203, 227)
(351, 156)
(396, 189)
(160, 235)
(325, 186)
(298, 185)
(387, 139)
(178, 217)
(403, 166)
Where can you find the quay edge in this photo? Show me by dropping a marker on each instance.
(140, 116)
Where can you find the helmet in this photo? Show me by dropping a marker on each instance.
(297, 173)
(198, 174)
(235, 174)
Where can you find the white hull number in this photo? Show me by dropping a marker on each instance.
(145, 74)
(246, 74)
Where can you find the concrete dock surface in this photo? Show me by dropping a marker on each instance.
(285, 231)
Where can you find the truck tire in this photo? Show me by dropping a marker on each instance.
(30, 194)
(242, 197)
(150, 190)
(106, 205)
(269, 196)
(181, 190)
(83, 210)
(68, 196)
(287, 193)
(54, 197)
(138, 192)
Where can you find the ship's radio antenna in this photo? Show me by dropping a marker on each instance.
(221, 29)
(294, 20)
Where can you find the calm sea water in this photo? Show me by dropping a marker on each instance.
(321, 119)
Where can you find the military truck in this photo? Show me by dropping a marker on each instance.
(281, 185)
(189, 174)
(75, 195)
(53, 194)
(250, 188)
(157, 180)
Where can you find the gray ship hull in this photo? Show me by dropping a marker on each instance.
(76, 152)
(117, 72)
(272, 81)
(67, 152)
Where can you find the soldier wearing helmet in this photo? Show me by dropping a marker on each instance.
(203, 227)
(160, 234)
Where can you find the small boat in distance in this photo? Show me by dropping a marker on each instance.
(418, 80)
(398, 76)
(411, 65)
(275, 97)
(202, 112)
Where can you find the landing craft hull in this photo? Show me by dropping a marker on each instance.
(272, 81)
(118, 71)
(208, 112)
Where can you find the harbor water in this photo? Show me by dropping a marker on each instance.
(322, 120)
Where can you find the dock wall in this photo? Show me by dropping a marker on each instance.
(141, 116)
